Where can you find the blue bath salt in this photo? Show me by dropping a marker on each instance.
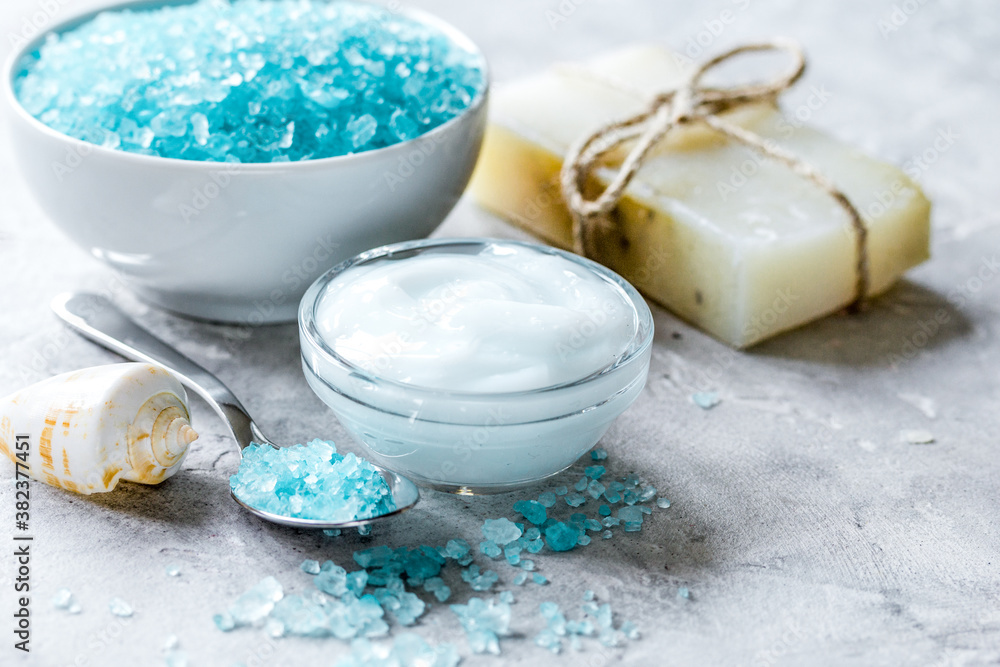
(249, 80)
(562, 536)
(311, 481)
(532, 510)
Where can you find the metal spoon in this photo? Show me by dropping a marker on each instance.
(97, 319)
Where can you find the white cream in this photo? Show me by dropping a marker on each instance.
(509, 318)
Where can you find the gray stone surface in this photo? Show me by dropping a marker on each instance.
(806, 530)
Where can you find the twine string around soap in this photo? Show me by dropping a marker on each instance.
(689, 104)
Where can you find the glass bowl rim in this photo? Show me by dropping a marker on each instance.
(641, 340)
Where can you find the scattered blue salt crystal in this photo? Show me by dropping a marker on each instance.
(437, 586)
(379, 556)
(512, 557)
(632, 526)
(594, 472)
(527, 564)
(423, 562)
(630, 630)
(539, 579)
(254, 605)
(506, 596)
(520, 578)
(561, 536)
(684, 593)
(607, 534)
(479, 581)
(249, 80)
(224, 621)
(604, 510)
(548, 639)
(172, 571)
(584, 628)
(706, 400)
(534, 546)
(310, 566)
(609, 521)
(583, 540)
(575, 499)
(484, 623)
(547, 499)
(662, 503)
(296, 615)
(644, 509)
(457, 550)
(119, 607)
(648, 493)
(560, 490)
(365, 529)
(532, 510)
(332, 579)
(62, 599)
(599, 454)
(332, 532)
(631, 514)
(532, 533)
(405, 650)
(311, 481)
(595, 489)
(581, 484)
(490, 548)
(502, 531)
(175, 658)
(612, 496)
(405, 607)
(588, 595)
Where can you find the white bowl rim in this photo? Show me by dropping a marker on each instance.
(86, 147)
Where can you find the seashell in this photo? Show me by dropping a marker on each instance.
(88, 429)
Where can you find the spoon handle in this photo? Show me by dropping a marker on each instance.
(99, 320)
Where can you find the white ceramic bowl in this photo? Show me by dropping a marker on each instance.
(473, 442)
(240, 243)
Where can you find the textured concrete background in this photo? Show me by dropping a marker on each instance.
(806, 530)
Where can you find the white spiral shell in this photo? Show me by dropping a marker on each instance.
(90, 428)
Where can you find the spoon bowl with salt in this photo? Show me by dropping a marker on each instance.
(100, 321)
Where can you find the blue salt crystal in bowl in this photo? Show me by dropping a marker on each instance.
(220, 155)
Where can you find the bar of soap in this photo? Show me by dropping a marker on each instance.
(736, 244)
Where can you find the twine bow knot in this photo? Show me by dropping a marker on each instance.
(694, 103)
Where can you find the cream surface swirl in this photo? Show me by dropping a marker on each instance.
(508, 318)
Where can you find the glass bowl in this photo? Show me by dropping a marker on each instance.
(472, 442)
